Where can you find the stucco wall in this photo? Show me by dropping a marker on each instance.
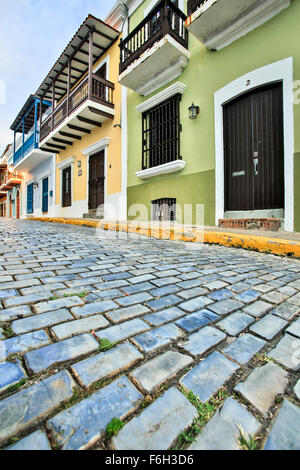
(206, 73)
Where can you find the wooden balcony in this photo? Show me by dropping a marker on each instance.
(217, 23)
(11, 180)
(89, 104)
(156, 51)
(80, 98)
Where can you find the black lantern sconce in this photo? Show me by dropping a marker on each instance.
(193, 111)
(35, 185)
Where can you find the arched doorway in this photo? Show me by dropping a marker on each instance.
(18, 204)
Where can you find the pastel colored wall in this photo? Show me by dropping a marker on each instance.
(206, 73)
(114, 167)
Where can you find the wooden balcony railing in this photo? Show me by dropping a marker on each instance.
(101, 92)
(193, 5)
(166, 18)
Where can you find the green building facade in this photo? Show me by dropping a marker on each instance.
(226, 59)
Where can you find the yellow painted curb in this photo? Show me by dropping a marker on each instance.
(275, 246)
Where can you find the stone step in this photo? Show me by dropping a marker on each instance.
(94, 214)
(270, 225)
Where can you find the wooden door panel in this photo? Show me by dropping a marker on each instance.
(253, 128)
(66, 187)
(96, 180)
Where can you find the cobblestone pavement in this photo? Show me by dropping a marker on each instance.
(192, 347)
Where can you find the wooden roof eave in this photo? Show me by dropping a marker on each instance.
(75, 52)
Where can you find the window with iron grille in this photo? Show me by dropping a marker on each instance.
(164, 209)
(161, 133)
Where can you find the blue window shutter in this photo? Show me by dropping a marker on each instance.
(30, 199)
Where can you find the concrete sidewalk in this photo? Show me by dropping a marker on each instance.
(278, 243)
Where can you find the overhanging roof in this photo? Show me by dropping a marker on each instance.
(78, 50)
(28, 112)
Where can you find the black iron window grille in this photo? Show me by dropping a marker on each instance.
(164, 210)
(161, 133)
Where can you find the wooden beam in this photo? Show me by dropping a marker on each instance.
(79, 61)
(79, 129)
(103, 35)
(72, 136)
(89, 121)
(62, 141)
(60, 147)
(49, 150)
(84, 52)
(101, 113)
(90, 63)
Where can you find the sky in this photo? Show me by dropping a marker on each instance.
(33, 34)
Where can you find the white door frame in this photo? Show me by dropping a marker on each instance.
(278, 71)
(89, 151)
(61, 166)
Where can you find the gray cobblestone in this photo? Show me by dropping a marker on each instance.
(222, 432)
(66, 302)
(203, 340)
(154, 339)
(106, 364)
(208, 376)
(287, 352)
(83, 424)
(133, 299)
(26, 299)
(153, 373)
(159, 425)
(23, 343)
(33, 404)
(123, 331)
(38, 322)
(38, 440)
(263, 385)
(9, 314)
(285, 433)
(93, 308)
(127, 313)
(268, 327)
(73, 328)
(43, 358)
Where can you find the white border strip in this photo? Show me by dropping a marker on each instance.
(165, 94)
(278, 71)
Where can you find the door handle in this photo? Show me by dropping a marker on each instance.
(255, 162)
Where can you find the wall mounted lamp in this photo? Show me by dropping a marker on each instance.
(118, 125)
(35, 185)
(193, 111)
(78, 163)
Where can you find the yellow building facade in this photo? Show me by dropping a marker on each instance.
(87, 124)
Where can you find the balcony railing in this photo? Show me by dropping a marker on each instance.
(10, 179)
(101, 92)
(193, 5)
(23, 150)
(165, 19)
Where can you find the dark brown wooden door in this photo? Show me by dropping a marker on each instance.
(96, 180)
(254, 150)
(66, 187)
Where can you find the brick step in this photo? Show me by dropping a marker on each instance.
(272, 225)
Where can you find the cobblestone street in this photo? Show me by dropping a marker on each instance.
(190, 346)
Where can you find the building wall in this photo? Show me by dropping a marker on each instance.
(11, 212)
(36, 175)
(206, 73)
(114, 164)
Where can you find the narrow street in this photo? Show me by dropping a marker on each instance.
(191, 346)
